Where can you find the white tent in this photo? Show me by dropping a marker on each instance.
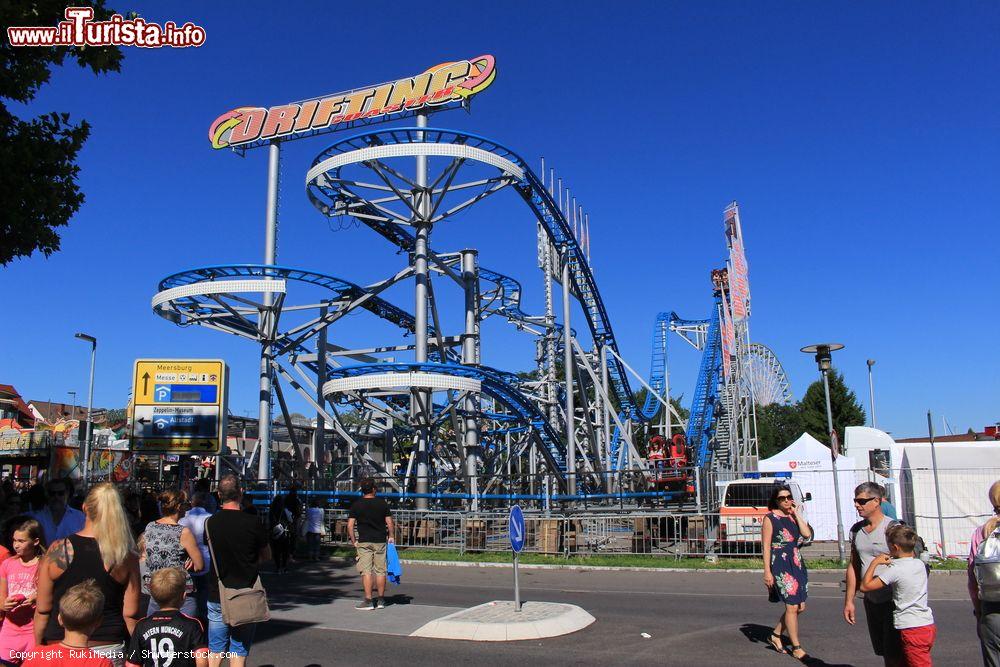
(965, 473)
(808, 461)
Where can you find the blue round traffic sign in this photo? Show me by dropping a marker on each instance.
(515, 528)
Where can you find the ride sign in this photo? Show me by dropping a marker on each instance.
(179, 406)
(439, 86)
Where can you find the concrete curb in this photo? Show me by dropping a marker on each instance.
(498, 622)
(616, 568)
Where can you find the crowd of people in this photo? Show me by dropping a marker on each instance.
(130, 579)
(127, 577)
(887, 565)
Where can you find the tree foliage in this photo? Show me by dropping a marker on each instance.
(777, 427)
(844, 404)
(38, 170)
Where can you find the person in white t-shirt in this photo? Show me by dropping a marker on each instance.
(314, 528)
(907, 576)
(57, 518)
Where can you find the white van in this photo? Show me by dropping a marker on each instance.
(742, 511)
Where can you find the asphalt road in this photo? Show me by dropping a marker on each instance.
(692, 618)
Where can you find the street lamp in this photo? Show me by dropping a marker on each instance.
(823, 361)
(90, 403)
(73, 394)
(871, 391)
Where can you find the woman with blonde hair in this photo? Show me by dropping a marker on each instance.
(166, 543)
(987, 613)
(105, 552)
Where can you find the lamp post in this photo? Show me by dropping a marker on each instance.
(823, 359)
(90, 405)
(871, 391)
(73, 394)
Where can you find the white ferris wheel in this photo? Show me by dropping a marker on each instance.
(768, 382)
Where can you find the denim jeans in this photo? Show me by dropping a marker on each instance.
(223, 638)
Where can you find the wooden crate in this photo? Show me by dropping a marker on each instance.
(475, 534)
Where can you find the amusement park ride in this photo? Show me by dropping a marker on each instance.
(462, 433)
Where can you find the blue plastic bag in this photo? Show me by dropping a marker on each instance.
(394, 569)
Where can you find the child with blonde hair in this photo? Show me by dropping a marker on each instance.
(80, 611)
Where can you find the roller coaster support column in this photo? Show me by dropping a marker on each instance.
(319, 435)
(420, 410)
(266, 323)
(606, 420)
(568, 363)
(470, 276)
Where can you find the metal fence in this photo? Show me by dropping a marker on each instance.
(676, 535)
(730, 527)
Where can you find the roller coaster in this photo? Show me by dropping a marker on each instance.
(445, 430)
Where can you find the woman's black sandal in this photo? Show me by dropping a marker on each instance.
(780, 646)
(796, 647)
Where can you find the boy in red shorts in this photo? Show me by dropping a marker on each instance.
(908, 577)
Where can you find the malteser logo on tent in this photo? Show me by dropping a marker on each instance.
(80, 29)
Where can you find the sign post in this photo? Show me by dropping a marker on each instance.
(180, 406)
(515, 529)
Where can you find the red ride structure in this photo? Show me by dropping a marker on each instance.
(668, 462)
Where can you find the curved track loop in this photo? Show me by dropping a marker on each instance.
(332, 199)
(496, 384)
(201, 306)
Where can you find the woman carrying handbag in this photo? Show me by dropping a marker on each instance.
(785, 576)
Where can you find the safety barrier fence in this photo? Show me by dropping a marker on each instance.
(628, 523)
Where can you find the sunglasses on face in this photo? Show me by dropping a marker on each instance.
(863, 501)
(784, 497)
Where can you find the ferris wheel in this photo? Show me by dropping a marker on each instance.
(768, 382)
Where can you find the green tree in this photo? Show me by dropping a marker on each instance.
(38, 170)
(844, 404)
(777, 427)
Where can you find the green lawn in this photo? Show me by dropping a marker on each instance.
(613, 561)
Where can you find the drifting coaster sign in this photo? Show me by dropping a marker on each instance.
(443, 86)
(180, 406)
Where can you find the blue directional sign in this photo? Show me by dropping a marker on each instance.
(185, 393)
(515, 527)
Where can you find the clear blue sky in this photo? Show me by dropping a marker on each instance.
(860, 140)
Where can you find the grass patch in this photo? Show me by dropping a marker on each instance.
(624, 560)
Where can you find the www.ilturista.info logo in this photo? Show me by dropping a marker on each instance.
(80, 29)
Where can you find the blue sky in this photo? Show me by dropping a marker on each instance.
(859, 138)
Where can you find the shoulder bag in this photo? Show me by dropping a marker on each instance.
(240, 606)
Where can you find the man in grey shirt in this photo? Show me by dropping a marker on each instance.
(868, 540)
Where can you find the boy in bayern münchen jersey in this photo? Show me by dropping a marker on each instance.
(168, 637)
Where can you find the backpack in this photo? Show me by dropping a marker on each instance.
(986, 565)
(919, 550)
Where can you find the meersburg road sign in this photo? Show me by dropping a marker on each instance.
(179, 405)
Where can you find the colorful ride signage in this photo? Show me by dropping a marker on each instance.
(437, 86)
(180, 406)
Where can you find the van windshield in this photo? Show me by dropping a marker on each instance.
(748, 495)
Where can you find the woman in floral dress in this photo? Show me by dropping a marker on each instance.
(785, 575)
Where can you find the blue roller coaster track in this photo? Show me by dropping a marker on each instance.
(332, 200)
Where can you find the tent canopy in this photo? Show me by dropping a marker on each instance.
(808, 461)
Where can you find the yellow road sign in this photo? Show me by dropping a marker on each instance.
(179, 406)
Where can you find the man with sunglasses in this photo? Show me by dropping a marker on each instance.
(57, 518)
(868, 540)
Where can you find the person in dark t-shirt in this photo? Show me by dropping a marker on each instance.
(373, 520)
(167, 636)
(239, 545)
